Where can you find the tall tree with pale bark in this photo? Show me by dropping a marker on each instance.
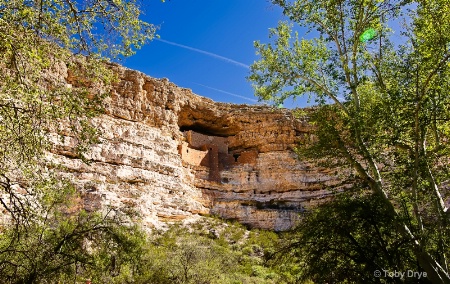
(383, 104)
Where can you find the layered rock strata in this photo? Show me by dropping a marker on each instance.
(169, 154)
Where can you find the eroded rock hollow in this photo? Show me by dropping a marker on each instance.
(169, 154)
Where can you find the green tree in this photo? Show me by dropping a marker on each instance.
(43, 45)
(383, 104)
(62, 244)
(347, 240)
(54, 75)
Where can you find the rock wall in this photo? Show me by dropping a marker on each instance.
(169, 154)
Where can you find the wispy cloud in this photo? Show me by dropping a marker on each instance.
(206, 53)
(228, 93)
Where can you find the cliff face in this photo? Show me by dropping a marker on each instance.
(169, 154)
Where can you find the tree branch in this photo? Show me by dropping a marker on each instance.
(433, 73)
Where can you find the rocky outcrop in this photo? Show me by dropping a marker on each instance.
(168, 154)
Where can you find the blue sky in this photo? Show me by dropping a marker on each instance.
(206, 45)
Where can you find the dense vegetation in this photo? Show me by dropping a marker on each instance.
(90, 247)
(383, 111)
(212, 251)
(44, 238)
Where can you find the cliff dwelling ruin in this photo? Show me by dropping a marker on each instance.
(171, 155)
(212, 152)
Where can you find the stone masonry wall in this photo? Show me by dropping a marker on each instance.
(168, 154)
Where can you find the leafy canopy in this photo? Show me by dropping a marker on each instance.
(383, 104)
(43, 46)
(54, 75)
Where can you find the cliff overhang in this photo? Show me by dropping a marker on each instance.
(168, 154)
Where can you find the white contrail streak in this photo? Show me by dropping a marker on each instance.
(228, 93)
(206, 53)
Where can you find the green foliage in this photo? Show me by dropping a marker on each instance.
(54, 75)
(39, 43)
(348, 239)
(43, 44)
(382, 105)
(207, 252)
(65, 245)
(61, 243)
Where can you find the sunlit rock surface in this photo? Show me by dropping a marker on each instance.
(168, 154)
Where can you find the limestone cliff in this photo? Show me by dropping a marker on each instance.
(169, 154)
